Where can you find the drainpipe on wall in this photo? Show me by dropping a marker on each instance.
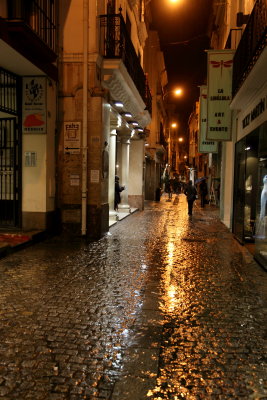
(85, 115)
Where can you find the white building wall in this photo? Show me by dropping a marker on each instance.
(38, 182)
(136, 168)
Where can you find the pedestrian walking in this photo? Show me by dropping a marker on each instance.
(203, 188)
(175, 185)
(118, 190)
(191, 195)
(168, 186)
(168, 189)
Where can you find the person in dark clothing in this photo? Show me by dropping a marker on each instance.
(168, 188)
(118, 190)
(203, 192)
(191, 193)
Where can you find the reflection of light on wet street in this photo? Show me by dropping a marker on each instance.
(160, 309)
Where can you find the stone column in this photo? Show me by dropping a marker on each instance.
(124, 176)
(111, 179)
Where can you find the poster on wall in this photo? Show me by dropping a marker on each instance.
(204, 145)
(72, 137)
(34, 104)
(219, 94)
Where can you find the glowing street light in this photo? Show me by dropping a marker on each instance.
(174, 125)
(176, 92)
(181, 139)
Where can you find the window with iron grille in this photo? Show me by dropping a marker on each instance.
(39, 15)
(8, 92)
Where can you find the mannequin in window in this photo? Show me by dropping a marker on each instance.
(262, 224)
(263, 197)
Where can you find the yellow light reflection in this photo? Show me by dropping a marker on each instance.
(170, 249)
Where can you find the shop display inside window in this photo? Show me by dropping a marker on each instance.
(261, 229)
(262, 222)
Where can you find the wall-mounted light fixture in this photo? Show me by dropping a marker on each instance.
(127, 115)
(118, 104)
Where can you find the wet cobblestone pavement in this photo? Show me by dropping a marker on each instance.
(164, 307)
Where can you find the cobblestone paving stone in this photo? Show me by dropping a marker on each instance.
(163, 307)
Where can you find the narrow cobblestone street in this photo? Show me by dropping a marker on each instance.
(163, 307)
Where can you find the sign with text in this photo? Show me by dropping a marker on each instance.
(34, 104)
(219, 95)
(204, 145)
(72, 137)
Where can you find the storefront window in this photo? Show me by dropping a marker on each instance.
(250, 193)
(261, 208)
(251, 185)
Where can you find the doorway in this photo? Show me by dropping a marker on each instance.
(10, 151)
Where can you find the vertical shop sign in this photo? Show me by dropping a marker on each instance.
(34, 104)
(204, 145)
(219, 96)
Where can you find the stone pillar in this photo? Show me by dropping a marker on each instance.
(124, 176)
(111, 179)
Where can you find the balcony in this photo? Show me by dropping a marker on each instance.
(116, 47)
(37, 15)
(29, 27)
(251, 46)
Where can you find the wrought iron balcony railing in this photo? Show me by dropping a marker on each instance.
(39, 15)
(252, 43)
(115, 42)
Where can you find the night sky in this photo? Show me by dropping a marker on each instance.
(183, 31)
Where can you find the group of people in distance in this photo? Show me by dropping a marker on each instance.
(189, 190)
(176, 186)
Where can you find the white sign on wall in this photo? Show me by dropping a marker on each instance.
(72, 137)
(34, 104)
(219, 95)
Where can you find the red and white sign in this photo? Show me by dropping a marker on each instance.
(34, 105)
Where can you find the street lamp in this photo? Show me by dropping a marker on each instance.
(176, 92)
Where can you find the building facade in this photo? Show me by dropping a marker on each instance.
(75, 111)
(156, 141)
(242, 26)
(104, 108)
(28, 104)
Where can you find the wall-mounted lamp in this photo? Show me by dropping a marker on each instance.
(118, 104)
(127, 115)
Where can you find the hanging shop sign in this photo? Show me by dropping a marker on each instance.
(34, 104)
(204, 145)
(219, 94)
